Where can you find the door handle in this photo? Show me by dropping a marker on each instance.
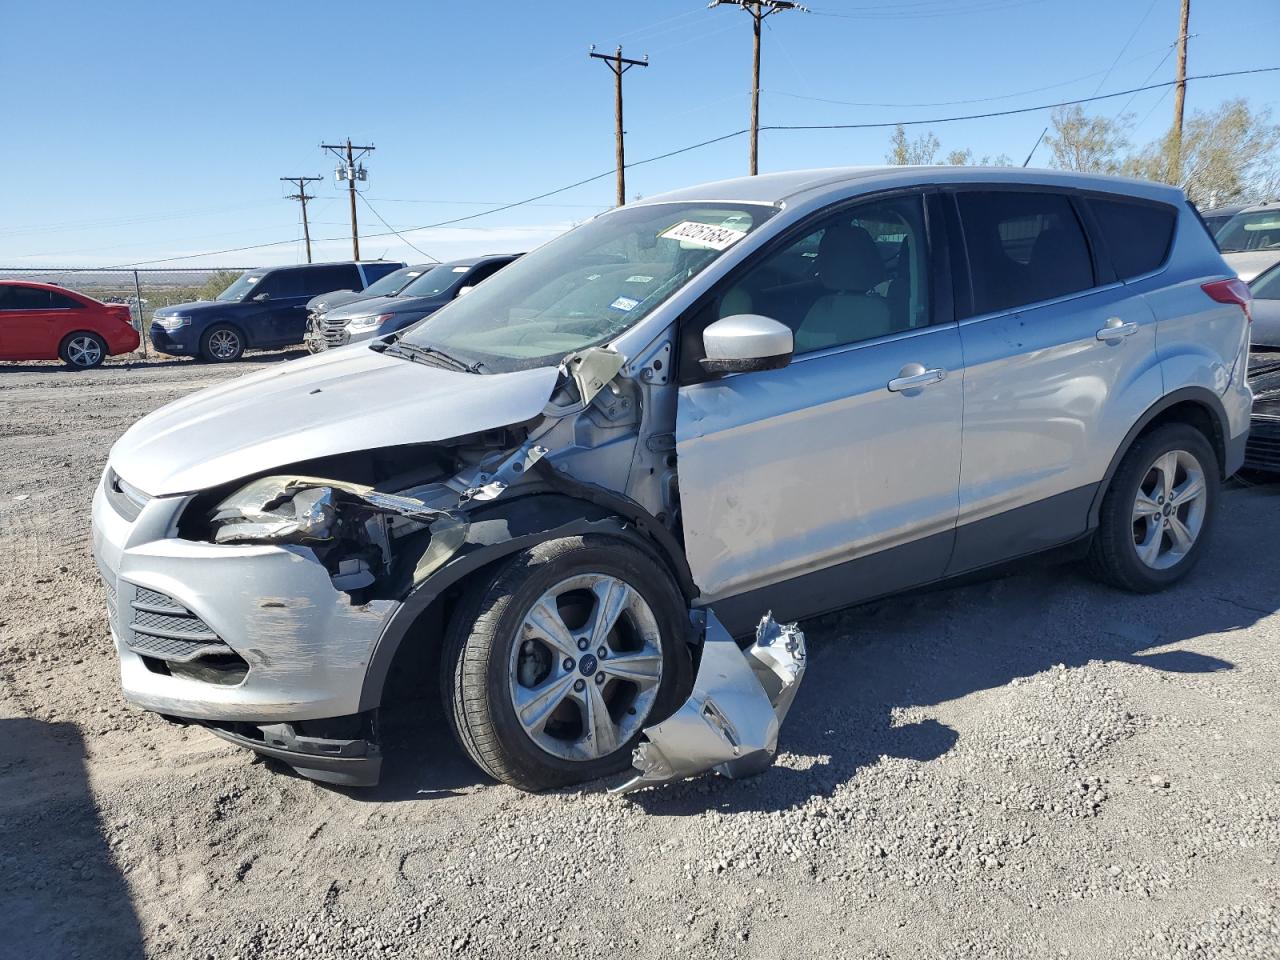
(1116, 330)
(914, 376)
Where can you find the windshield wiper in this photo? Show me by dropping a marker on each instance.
(430, 355)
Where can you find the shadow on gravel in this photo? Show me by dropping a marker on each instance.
(61, 892)
(929, 648)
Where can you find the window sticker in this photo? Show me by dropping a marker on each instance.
(594, 276)
(461, 269)
(639, 278)
(624, 304)
(704, 235)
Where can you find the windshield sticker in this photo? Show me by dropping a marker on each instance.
(461, 269)
(624, 304)
(638, 278)
(594, 276)
(704, 235)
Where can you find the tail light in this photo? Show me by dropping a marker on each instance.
(1234, 291)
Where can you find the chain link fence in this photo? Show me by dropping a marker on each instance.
(145, 291)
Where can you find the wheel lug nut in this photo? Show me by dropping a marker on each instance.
(583, 643)
(568, 663)
(599, 678)
(579, 685)
(602, 653)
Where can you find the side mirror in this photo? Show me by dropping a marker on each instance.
(746, 342)
(262, 298)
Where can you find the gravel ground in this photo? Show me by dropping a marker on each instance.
(1032, 766)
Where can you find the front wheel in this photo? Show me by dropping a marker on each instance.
(551, 671)
(83, 351)
(1159, 510)
(222, 344)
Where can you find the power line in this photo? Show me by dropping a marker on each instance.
(302, 197)
(618, 65)
(759, 11)
(1107, 76)
(729, 136)
(402, 237)
(350, 173)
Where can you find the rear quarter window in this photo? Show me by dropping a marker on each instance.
(1137, 235)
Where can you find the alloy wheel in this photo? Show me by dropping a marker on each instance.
(1169, 509)
(84, 351)
(586, 664)
(224, 344)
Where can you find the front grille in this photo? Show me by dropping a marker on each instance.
(110, 588)
(1263, 450)
(332, 332)
(165, 629)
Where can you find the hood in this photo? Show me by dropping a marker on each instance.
(195, 306)
(338, 401)
(334, 298)
(363, 308)
(1249, 263)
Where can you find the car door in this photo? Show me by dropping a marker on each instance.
(284, 311)
(33, 322)
(833, 479)
(308, 282)
(1059, 364)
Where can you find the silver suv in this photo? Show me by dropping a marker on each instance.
(792, 392)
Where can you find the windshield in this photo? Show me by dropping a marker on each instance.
(587, 286)
(435, 281)
(393, 282)
(242, 286)
(1258, 230)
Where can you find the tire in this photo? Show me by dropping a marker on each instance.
(486, 665)
(222, 343)
(82, 350)
(1149, 544)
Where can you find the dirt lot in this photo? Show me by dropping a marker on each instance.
(1033, 766)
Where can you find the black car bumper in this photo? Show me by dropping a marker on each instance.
(343, 751)
(178, 344)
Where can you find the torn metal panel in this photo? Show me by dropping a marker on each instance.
(730, 722)
(513, 468)
(590, 370)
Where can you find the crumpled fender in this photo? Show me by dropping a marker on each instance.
(509, 526)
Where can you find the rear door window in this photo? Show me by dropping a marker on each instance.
(1137, 235)
(326, 279)
(1023, 248)
(29, 298)
(376, 271)
(58, 301)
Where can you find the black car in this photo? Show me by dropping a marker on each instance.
(376, 317)
(263, 308)
(388, 286)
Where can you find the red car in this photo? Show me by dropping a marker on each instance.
(39, 321)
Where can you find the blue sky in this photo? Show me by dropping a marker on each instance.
(141, 130)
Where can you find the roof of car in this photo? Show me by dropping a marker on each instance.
(777, 188)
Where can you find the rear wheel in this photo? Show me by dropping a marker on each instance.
(222, 344)
(551, 671)
(83, 350)
(1158, 511)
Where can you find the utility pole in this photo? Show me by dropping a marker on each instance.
(302, 196)
(348, 170)
(1179, 96)
(759, 10)
(618, 65)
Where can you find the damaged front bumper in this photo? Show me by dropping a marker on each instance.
(228, 632)
(729, 725)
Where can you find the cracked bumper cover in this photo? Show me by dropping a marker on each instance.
(731, 720)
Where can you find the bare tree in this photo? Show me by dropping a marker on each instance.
(1227, 154)
(1088, 144)
(902, 150)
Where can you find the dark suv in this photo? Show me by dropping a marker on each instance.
(263, 308)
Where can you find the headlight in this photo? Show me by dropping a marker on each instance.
(361, 324)
(275, 510)
(172, 323)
